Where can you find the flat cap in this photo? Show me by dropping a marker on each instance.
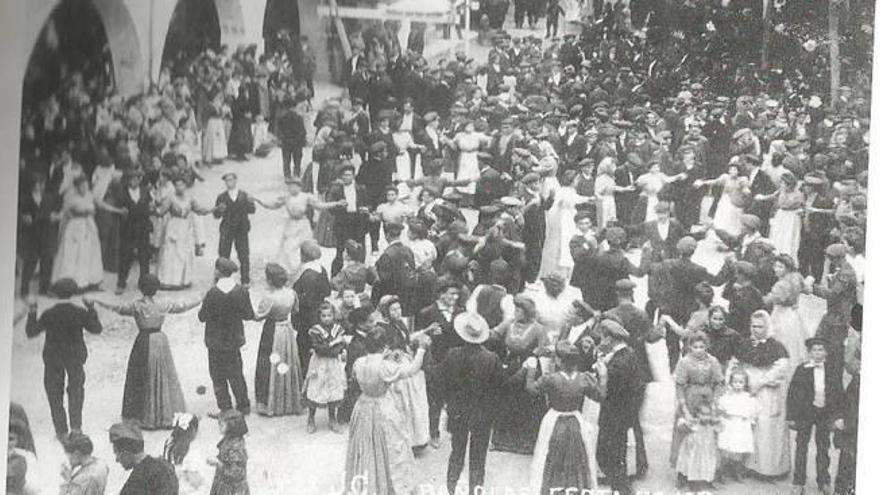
(751, 221)
(624, 284)
(126, 431)
(225, 266)
(613, 329)
(686, 245)
(836, 250)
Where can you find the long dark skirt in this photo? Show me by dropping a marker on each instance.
(241, 139)
(108, 233)
(152, 393)
(564, 463)
(519, 418)
(278, 380)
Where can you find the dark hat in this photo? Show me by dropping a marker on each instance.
(614, 329)
(581, 215)
(615, 235)
(64, 288)
(565, 350)
(810, 342)
(746, 269)
(229, 175)
(378, 147)
(127, 436)
(359, 315)
(489, 210)
(582, 309)
(149, 284)
(836, 250)
(225, 266)
(393, 229)
(530, 178)
(624, 285)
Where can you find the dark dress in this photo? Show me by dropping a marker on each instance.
(519, 413)
(151, 476)
(231, 476)
(311, 289)
(562, 457)
(278, 393)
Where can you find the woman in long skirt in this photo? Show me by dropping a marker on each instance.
(468, 144)
(563, 457)
(785, 226)
(278, 380)
(732, 201)
(765, 360)
(518, 413)
(79, 249)
(410, 394)
(214, 148)
(152, 393)
(788, 326)
(241, 138)
(556, 254)
(379, 457)
(177, 253)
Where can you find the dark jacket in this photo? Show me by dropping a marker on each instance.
(137, 225)
(395, 273)
(472, 377)
(223, 314)
(151, 476)
(311, 288)
(625, 390)
(235, 216)
(64, 324)
(291, 129)
(638, 324)
(581, 253)
(801, 393)
(42, 231)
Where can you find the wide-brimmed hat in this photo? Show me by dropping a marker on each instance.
(472, 328)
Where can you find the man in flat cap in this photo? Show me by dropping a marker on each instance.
(149, 475)
(233, 208)
(534, 225)
(64, 353)
(224, 309)
(291, 131)
(622, 403)
(133, 197)
(839, 288)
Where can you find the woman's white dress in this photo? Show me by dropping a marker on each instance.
(606, 207)
(79, 248)
(785, 226)
(728, 215)
(556, 255)
(468, 163)
(650, 185)
(297, 230)
(177, 256)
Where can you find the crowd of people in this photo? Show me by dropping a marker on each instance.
(591, 161)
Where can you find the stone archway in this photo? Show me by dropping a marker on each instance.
(128, 62)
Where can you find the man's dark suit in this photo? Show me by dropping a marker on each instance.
(441, 344)
(618, 412)
(395, 274)
(234, 228)
(606, 268)
(581, 253)
(626, 201)
(801, 410)
(37, 238)
(534, 227)
(346, 225)
(291, 131)
(472, 376)
(134, 230)
(490, 186)
(311, 288)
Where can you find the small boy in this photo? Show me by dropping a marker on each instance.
(814, 396)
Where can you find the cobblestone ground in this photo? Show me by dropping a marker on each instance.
(283, 458)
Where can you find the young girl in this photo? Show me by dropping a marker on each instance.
(738, 413)
(325, 381)
(698, 455)
(187, 464)
(230, 478)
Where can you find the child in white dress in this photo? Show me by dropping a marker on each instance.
(738, 414)
(698, 455)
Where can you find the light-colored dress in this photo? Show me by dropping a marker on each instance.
(214, 139)
(788, 325)
(785, 226)
(606, 206)
(698, 456)
(278, 379)
(772, 455)
(177, 256)
(739, 411)
(325, 380)
(468, 163)
(556, 254)
(379, 453)
(695, 379)
(650, 185)
(79, 248)
(728, 214)
(297, 230)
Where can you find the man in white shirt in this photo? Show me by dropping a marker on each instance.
(350, 219)
(814, 399)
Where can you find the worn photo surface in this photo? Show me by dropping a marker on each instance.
(378, 247)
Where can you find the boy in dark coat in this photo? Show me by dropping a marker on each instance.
(233, 207)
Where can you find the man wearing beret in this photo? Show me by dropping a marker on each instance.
(815, 397)
(839, 287)
(64, 353)
(225, 307)
(620, 408)
(233, 207)
(149, 475)
(134, 198)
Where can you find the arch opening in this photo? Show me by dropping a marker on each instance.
(194, 28)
